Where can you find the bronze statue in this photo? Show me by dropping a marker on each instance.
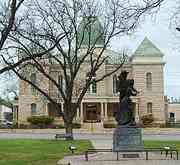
(125, 87)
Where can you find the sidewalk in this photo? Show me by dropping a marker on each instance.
(110, 159)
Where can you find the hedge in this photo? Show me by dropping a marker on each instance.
(40, 120)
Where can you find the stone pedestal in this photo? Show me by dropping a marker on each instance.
(127, 138)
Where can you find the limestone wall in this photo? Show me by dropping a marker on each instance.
(174, 108)
(155, 95)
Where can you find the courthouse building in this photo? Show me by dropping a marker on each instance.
(145, 66)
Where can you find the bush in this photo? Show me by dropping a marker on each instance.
(23, 126)
(108, 124)
(76, 125)
(147, 119)
(170, 125)
(15, 125)
(41, 121)
(60, 126)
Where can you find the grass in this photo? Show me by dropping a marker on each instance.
(158, 143)
(48, 152)
(37, 152)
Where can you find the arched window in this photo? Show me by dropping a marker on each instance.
(34, 81)
(149, 107)
(33, 109)
(60, 80)
(93, 87)
(114, 84)
(149, 80)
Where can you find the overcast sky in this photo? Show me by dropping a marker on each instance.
(158, 30)
(161, 33)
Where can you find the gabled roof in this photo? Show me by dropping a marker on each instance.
(147, 49)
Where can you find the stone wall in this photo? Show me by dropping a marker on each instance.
(174, 108)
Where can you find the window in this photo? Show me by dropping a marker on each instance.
(172, 117)
(33, 109)
(149, 107)
(60, 81)
(93, 87)
(149, 80)
(114, 84)
(34, 81)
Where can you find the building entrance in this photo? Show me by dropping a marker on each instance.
(92, 113)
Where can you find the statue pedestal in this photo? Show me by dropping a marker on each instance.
(127, 138)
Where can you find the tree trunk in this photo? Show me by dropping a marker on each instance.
(69, 130)
(68, 119)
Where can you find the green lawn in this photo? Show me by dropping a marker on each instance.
(37, 152)
(155, 143)
(48, 152)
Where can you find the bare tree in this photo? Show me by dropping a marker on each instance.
(11, 26)
(81, 31)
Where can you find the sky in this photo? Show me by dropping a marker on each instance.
(159, 30)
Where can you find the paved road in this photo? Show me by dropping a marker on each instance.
(98, 140)
(12, 135)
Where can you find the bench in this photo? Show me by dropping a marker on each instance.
(63, 136)
(146, 150)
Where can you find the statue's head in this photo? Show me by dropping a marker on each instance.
(123, 75)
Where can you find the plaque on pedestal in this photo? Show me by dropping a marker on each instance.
(127, 138)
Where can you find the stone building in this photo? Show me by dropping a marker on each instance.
(145, 66)
(173, 114)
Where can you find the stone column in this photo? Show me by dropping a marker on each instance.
(81, 113)
(77, 114)
(102, 114)
(46, 109)
(105, 110)
(137, 113)
(62, 106)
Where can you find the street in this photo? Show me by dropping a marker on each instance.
(98, 140)
(95, 136)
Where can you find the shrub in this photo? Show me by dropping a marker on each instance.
(170, 125)
(60, 126)
(147, 119)
(76, 125)
(23, 126)
(109, 124)
(15, 125)
(41, 121)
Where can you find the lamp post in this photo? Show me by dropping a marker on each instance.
(72, 148)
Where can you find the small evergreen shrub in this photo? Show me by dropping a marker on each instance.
(76, 125)
(147, 119)
(109, 124)
(41, 121)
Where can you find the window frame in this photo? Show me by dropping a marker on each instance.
(33, 109)
(149, 107)
(33, 78)
(149, 80)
